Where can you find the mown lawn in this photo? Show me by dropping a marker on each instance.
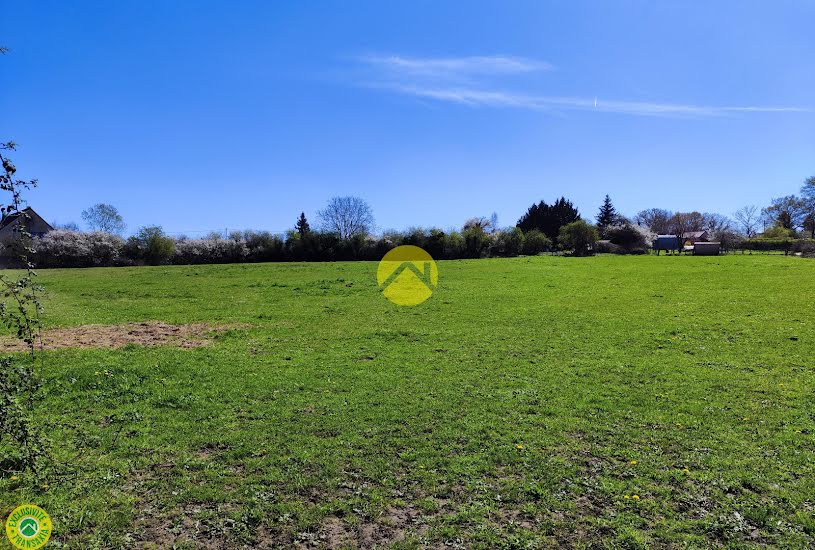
(531, 402)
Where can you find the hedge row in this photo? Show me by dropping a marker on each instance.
(804, 246)
(151, 246)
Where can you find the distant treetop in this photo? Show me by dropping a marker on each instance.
(105, 218)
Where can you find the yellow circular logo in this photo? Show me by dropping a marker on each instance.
(407, 275)
(28, 527)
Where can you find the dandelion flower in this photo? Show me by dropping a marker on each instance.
(626, 497)
(685, 470)
(635, 497)
(633, 462)
(14, 478)
(519, 447)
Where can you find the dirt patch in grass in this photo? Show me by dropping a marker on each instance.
(394, 525)
(148, 334)
(194, 526)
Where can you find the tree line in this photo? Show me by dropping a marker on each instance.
(345, 231)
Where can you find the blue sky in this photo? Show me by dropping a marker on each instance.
(211, 115)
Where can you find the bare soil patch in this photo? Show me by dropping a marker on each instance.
(199, 526)
(148, 334)
(395, 524)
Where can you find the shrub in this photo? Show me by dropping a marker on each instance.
(778, 232)
(415, 236)
(209, 251)
(476, 242)
(807, 248)
(263, 246)
(536, 242)
(454, 245)
(803, 246)
(629, 239)
(150, 245)
(607, 247)
(436, 242)
(730, 240)
(62, 248)
(579, 237)
(768, 245)
(508, 242)
(313, 246)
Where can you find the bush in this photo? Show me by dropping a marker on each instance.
(476, 242)
(607, 247)
(434, 242)
(579, 237)
(807, 248)
(150, 246)
(778, 232)
(454, 245)
(209, 251)
(313, 246)
(730, 240)
(628, 238)
(263, 246)
(768, 245)
(536, 242)
(507, 242)
(415, 236)
(74, 249)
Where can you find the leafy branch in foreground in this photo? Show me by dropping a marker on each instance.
(22, 446)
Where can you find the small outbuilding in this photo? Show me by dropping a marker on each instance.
(707, 248)
(666, 242)
(693, 237)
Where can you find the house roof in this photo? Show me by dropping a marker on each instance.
(11, 217)
(8, 220)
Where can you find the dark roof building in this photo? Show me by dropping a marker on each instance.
(706, 248)
(695, 236)
(666, 242)
(34, 224)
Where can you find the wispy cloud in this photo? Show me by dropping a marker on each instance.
(455, 67)
(470, 81)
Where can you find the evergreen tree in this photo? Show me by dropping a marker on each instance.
(548, 219)
(302, 226)
(531, 220)
(607, 215)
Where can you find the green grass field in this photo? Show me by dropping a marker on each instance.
(531, 402)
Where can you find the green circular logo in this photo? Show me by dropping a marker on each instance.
(28, 527)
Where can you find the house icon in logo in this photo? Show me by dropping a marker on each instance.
(407, 275)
